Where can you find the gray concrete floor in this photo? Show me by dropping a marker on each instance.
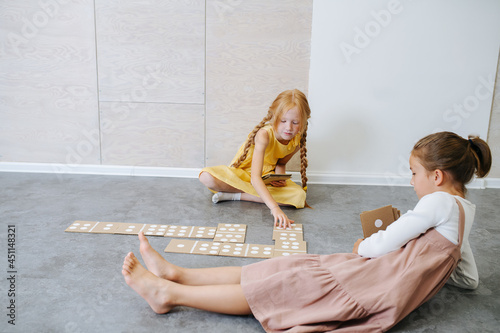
(68, 282)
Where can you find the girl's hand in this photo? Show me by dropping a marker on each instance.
(280, 218)
(356, 245)
(279, 183)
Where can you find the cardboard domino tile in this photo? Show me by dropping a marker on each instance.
(81, 226)
(176, 231)
(294, 233)
(233, 249)
(105, 227)
(260, 251)
(180, 246)
(208, 248)
(246, 250)
(193, 246)
(286, 247)
(190, 231)
(377, 219)
(204, 232)
(233, 233)
(129, 228)
(155, 229)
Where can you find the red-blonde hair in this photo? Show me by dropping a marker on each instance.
(284, 102)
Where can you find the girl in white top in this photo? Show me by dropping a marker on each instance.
(438, 178)
(313, 292)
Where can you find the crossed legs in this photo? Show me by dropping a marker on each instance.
(219, 186)
(164, 285)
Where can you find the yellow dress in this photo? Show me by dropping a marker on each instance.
(291, 194)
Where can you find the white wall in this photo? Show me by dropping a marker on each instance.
(386, 73)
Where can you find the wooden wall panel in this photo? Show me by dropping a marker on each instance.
(150, 66)
(255, 50)
(151, 51)
(152, 134)
(48, 86)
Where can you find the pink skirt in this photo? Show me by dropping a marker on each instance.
(347, 292)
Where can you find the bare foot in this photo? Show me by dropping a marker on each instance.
(155, 263)
(150, 287)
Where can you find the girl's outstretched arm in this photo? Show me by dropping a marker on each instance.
(261, 143)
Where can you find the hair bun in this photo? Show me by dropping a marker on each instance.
(482, 154)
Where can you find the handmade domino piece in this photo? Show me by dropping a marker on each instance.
(294, 233)
(81, 226)
(190, 231)
(233, 249)
(105, 227)
(377, 219)
(246, 250)
(177, 231)
(155, 229)
(180, 246)
(129, 228)
(260, 251)
(208, 248)
(286, 247)
(233, 233)
(203, 232)
(193, 246)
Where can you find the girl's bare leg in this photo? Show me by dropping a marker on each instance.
(189, 276)
(251, 198)
(153, 289)
(223, 298)
(215, 184)
(219, 186)
(163, 295)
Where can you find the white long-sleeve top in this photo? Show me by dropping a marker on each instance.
(437, 210)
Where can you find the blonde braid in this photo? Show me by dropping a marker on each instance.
(303, 159)
(251, 139)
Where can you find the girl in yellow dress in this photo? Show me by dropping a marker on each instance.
(267, 150)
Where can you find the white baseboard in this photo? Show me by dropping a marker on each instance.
(313, 177)
(492, 182)
(90, 169)
(357, 179)
(385, 180)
